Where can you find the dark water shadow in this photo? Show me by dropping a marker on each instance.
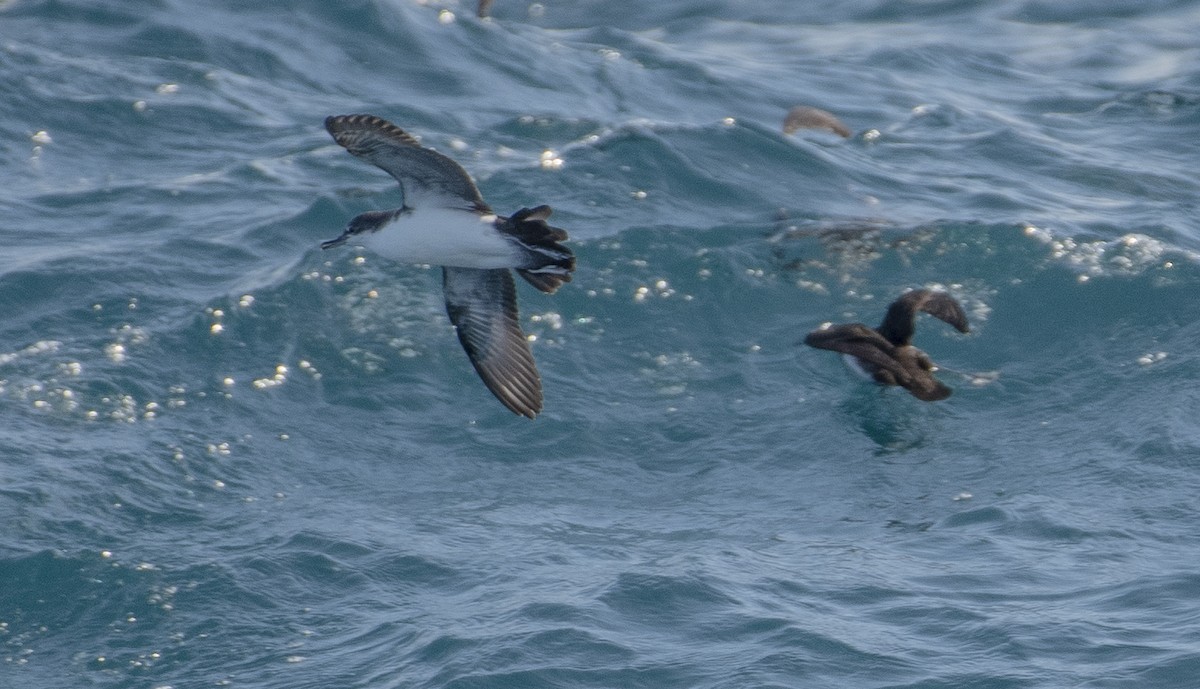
(893, 422)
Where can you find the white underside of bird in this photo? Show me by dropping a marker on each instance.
(443, 237)
(852, 362)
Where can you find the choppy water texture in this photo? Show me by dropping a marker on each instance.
(232, 459)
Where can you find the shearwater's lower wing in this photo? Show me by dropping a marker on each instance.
(483, 308)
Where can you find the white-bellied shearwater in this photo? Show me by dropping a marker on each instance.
(884, 354)
(444, 221)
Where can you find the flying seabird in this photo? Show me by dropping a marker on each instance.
(884, 353)
(444, 221)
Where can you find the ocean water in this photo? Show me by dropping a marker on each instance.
(229, 459)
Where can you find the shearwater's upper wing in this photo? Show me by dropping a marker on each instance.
(483, 308)
(898, 325)
(426, 176)
(857, 340)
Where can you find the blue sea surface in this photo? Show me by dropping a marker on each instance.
(231, 459)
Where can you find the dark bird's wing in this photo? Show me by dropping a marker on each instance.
(905, 366)
(483, 308)
(857, 340)
(426, 176)
(805, 117)
(898, 325)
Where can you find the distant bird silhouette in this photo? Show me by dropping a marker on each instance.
(445, 222)
(806, 117)
(884, 354)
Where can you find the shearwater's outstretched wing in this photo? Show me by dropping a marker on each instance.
(856, 340)
(898, 325)
(427, 177)
(483, 308)
(905, 366)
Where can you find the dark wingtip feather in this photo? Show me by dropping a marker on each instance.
(343, 127)
(547, 282)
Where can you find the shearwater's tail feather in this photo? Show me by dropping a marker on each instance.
(550, 263)
(530, 226)
(547, 282)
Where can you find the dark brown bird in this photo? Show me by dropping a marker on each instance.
(884, 354)
(806, 117)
